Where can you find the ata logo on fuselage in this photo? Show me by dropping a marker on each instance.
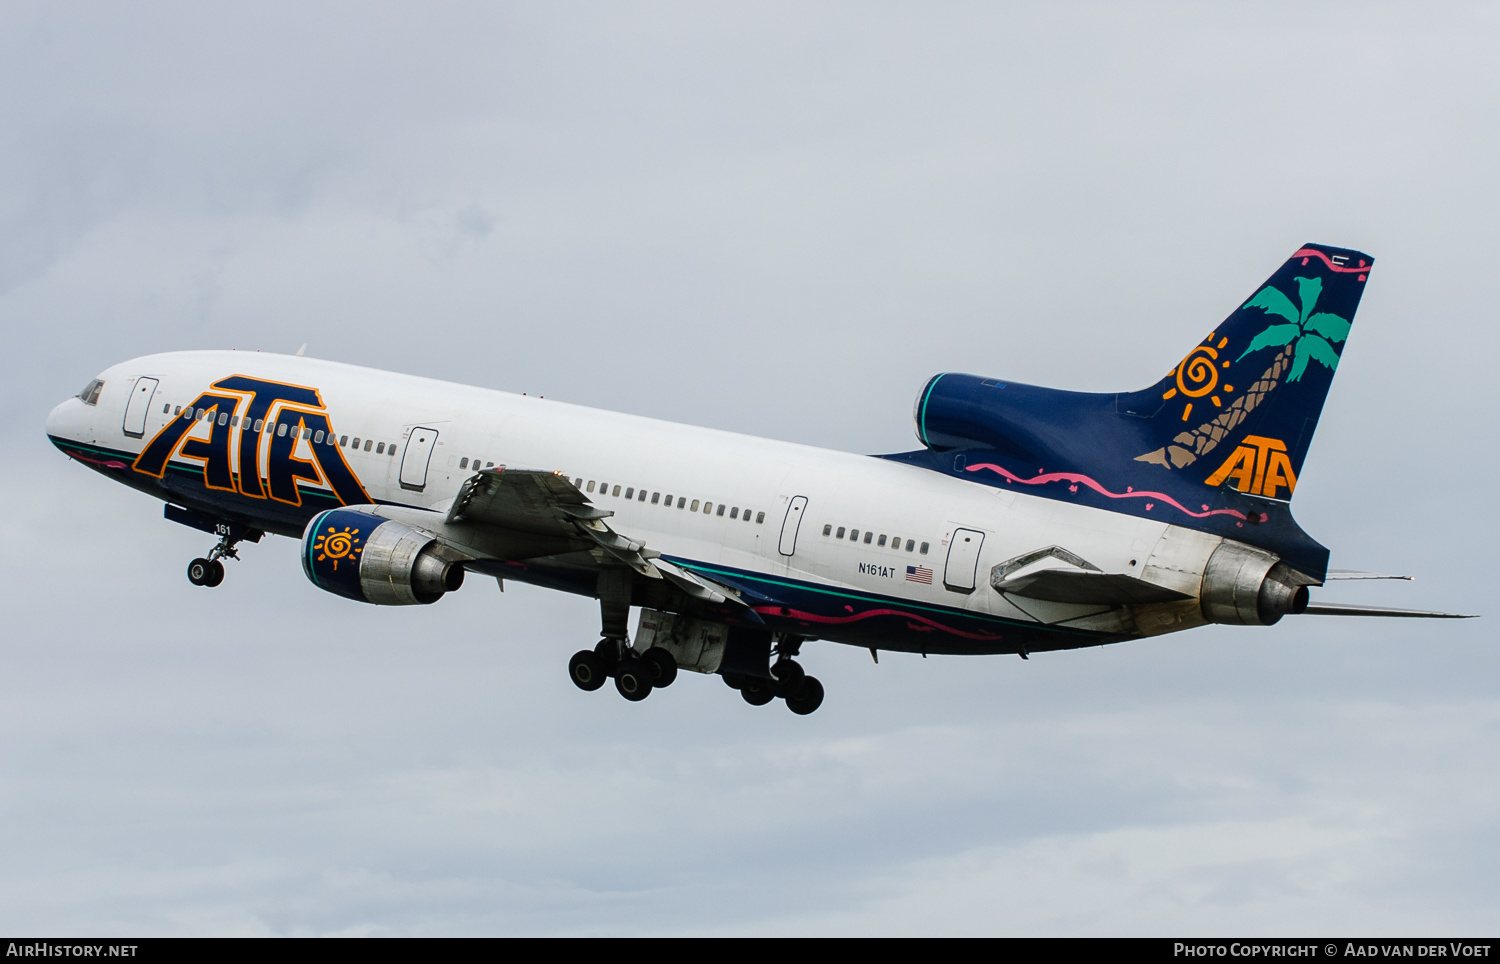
(1259, 466)
(263, 437)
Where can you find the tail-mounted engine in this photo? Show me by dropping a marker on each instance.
(1246, 586)
(362, 556)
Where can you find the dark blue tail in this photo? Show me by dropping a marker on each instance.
(1217, 444)
(1241, 408)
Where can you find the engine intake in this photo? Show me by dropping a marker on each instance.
(1246, 586)
(361, 556)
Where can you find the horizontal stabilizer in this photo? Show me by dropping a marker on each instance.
(1356, 574)
(1349, 609)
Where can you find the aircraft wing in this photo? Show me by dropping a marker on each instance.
(549, 505)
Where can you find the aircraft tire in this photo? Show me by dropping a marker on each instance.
(732, 680)
(587, 670)
(662, 664)
(809, 697)
(198, 572)
(786, 677)
(215, 574)
(756, 691)
(633, 680)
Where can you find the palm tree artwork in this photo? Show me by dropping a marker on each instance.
(1304, 336)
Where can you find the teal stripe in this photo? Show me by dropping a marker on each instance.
(922, 415)
(868, 598)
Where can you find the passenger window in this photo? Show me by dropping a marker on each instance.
(199, 416)
(721, 509)
(343, 441)
(841, 533)
(734, 513)
(655, 497)
(924, 548)
(318, 437)
(668, 502)
(881, 542)
(827, 530)
(642, 496)
(708, 507)
(256, 426)
(463, 463)
(630, 493)
(281, 429)
(616, 492)
(166, 408)
(591, 485)
(368, 443)
(356, 442)
(380, 449)
(853, 535)
(223, 418)
(694, 507)
(682, 501)
(868, 536)
(759, 517)
(179, 410)
(910, 545)
(578, 483)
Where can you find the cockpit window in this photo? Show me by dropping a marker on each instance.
(90, 393)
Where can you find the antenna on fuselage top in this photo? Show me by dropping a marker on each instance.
(303, 350)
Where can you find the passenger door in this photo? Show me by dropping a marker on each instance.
(139, 405)
(963, 560)
(791, 524)
(418, 453)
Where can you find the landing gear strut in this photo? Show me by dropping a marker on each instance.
(210, 571)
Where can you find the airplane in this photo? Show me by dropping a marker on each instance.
(1030, 520)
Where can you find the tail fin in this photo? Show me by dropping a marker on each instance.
(1241, 408)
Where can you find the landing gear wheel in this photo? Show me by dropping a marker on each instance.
(634, 679)
(608, 651)
(756, 691)
(587, 670)
(215, 574)
(200, 571)
(786, 676)
(662, 663)
(809, 696)
(732, 680)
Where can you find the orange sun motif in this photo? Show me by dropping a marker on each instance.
(337, 545)
(1198, 374)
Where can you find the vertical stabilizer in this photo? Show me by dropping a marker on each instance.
(1240, 409)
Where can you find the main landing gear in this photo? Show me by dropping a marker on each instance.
(789, 681)
(210, 571)
(635, 674)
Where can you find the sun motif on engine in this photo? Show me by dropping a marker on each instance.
(335, 545)
(1198, 375)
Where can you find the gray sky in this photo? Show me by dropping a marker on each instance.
(777, 219)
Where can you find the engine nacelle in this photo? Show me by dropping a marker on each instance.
(361, 556)
(1246, 586)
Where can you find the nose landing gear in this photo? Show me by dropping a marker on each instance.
(210, 571)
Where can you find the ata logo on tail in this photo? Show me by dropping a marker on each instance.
(1259, 466)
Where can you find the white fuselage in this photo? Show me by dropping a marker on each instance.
(729, 478)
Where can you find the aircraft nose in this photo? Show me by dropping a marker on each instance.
(63, 419)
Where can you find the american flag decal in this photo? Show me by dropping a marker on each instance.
(919, 574)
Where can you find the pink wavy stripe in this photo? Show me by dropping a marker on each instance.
(107, 463)
(813, 618)
(1341, 268)
(1085, 480)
